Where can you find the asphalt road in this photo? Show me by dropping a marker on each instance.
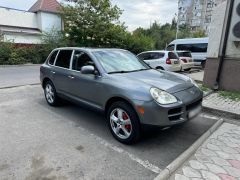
(19, 75)
(71, 142)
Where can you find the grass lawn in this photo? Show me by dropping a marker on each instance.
(233, 95)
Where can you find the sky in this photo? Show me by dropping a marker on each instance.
(136, 13)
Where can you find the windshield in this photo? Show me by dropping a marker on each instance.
(119, 61)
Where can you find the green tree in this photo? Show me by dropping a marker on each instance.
(93, 23)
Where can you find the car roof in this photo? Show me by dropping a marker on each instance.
(191, 40)
(89, 49)
(156, 51)
(183, 51)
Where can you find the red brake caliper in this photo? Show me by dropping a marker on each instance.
(125, 117)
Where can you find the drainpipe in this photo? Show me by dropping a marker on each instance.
(223, 53)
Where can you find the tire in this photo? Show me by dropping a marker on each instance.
(117, 126)
(203, 64)
(187, 69)
(51, 94)
(160, 68)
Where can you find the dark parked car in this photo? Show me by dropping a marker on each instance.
(124, 87)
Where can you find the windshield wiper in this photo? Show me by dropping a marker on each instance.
(114, 72)
(128, 71)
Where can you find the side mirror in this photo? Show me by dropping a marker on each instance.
(88, 69)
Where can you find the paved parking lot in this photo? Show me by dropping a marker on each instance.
(19, 75)
(71, 142)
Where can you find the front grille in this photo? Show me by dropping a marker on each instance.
(193, 105)
(175, 114)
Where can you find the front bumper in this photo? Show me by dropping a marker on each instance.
(169, 115)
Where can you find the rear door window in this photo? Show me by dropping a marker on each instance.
(52, 58)
(172, 55)
(157, 55)
(151, 56)
(64, 58)
(144, 56)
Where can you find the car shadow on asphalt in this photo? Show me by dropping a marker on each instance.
(166, 144)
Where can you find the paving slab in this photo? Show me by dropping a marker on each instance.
(218, 158)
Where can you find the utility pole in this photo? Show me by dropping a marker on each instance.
(177, 20)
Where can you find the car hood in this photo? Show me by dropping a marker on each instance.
(164, 80)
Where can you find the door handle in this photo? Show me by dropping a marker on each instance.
(71, 77)
(53, 72)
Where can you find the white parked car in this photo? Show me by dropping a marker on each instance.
(164, 60)
(186, 60)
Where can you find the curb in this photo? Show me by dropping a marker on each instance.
(9, 87)
(218, 112)
(19, 65)
(172, 167)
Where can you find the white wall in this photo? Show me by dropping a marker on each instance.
(49, 21)
(11, 17)
(216, 30)
(233, 50)
(23, 38)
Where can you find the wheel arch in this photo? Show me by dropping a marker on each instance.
(46, 79)
(116, 99)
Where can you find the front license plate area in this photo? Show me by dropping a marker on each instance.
(194, 112)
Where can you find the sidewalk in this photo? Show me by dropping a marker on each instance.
(217, 104)
(218, 158)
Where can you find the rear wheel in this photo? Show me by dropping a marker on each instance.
(161, 68)
(50, 94)
(188, 69)
(123, 123)
(203, 64)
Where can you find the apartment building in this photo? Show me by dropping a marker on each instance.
(197, 14)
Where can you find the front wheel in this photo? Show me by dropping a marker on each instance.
(123, 123)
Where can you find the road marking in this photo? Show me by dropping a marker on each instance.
(145, 163)
(209, 116)
(17, 86)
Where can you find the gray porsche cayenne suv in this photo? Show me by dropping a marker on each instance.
(126, 89)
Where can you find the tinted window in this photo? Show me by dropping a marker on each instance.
(64, 58)
(193, 47)
(150, 56)
(172, 55)
(144, 56)
(170, 47)
(52, 57)
(81, 59)
(184, 54)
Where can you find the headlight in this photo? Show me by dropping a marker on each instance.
(162, 97)
(193, 82)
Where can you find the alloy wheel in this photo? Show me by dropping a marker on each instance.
(121, 123)
(49, 93)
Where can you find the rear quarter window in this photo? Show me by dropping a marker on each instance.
(172, 55)
(52, 58)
